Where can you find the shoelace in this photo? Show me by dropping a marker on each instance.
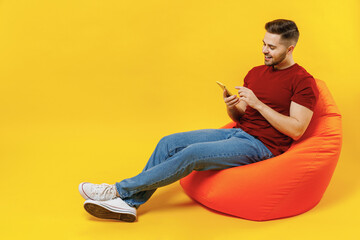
(104, 190)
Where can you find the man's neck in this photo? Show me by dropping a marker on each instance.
(284, 65)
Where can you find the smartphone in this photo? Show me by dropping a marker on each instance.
(228, 93)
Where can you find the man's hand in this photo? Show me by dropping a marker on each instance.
(235, 107)
(249, 97)
(231, 101)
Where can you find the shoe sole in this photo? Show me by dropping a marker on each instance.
(101, 211)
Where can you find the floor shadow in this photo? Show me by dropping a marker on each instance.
(95, 219)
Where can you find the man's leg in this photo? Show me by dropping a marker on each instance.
(174, 143)
(167, 147)
(179, 154)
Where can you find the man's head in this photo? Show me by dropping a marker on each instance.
(279, 42)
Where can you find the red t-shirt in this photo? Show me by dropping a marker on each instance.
(276, 89)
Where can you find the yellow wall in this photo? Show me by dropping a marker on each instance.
(87, 88)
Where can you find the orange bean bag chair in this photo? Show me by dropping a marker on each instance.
(286, 185)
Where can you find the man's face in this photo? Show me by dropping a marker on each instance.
(274, 49)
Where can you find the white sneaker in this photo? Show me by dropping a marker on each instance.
(111, 209)
(98, 192)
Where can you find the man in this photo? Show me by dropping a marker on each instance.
(274, 107)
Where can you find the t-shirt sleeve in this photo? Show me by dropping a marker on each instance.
(246, 80)
(306, 92)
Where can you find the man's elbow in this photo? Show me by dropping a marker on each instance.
(299, 129)
(296, 137)
(297, 134)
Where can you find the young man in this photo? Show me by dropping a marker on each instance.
(274, 107)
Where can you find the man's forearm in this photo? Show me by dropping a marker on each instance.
(235, 113)
(287, 125)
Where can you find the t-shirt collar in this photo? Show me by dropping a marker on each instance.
(277, 70)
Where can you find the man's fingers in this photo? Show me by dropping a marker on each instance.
(241, 88)
(241, 91)
(230, 99)
(233, 101)
(225, 94)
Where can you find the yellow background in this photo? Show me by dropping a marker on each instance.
(87, 89)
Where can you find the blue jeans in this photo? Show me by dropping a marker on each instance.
(177, 155)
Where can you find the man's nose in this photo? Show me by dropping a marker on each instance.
(265, 50)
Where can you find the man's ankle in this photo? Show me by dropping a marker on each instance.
(117, 193)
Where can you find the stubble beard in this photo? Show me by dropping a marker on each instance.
(273, 63)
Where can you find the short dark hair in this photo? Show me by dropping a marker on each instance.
(287, 29)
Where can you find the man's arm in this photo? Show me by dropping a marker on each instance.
(293, 126)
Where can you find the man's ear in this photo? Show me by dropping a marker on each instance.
(290, 49)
